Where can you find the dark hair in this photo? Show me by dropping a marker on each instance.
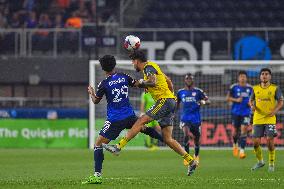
(107, 62)
(138, 55)
(242, 72)
(265, 70)
(189, 75)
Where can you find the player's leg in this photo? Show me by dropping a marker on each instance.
(129, 123)
(243, 137)
(237, 124)
(151, 114)
(98, 154)
(107, 133)
(147, 138)
(152, 131)
(173, 144)
(195, 130)
(98, 162)
(185, 130)
(271, 132)
(257, 133)
(159, 130)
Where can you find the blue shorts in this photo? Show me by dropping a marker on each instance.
(194, 128)
(111, 130)
(238, 120)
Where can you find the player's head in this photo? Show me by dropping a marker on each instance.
(265, 75)
(138, 59)
(242, 77)
(188, 79)
(107, 62)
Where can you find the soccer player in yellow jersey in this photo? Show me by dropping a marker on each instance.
(266, 101)
(161, 89)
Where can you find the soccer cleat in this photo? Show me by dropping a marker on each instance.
(192, 167)
(242, 155)
(93, 180)
(235, 151)
(257, 166)
(112, 149)
(271, 168)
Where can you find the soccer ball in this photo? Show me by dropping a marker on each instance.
(131, 42)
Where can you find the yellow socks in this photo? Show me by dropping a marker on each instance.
(122, 142)
(271, 157)
(188, 158)
(258, 153)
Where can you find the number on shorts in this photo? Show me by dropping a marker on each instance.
(106, 126)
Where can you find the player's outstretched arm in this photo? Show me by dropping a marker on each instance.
(150, 82)
(92, 93)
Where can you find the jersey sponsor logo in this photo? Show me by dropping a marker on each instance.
(264, 99)
(188, 99)
(114, 82)
(244, 94)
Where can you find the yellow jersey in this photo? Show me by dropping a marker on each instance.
(265, 101)
(161, 90)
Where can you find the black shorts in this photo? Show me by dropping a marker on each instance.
(261, 130)
(111, 130)
(194, 128)
(238, 120)
(163, 111)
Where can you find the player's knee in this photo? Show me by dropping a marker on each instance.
(256, 144)
(143, 120)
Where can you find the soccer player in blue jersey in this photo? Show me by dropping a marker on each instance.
(120, 114)
(239, 94)
(161, 89)
(191, 98)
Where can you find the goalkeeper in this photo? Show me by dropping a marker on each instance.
(146, 103)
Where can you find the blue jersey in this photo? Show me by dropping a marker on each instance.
(115, 88)
(241, 108)
(190, 99)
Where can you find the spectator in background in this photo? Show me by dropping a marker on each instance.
(31, 21)
(74, 21)
(14, 22)
(44, 21)
(3, 21)
(42, 39)
(58, 21)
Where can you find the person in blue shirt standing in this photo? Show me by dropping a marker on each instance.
(191, 99)
(120, 114)
(239, 95)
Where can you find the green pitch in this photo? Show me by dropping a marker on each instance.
(38, 168)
